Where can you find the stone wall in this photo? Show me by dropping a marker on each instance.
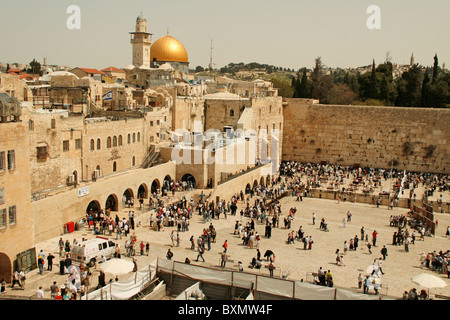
(415, 139)
(47, 131)
(15, 236)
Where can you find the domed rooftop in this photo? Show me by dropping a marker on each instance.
(48, 76)
(141, 18)
(168, 49)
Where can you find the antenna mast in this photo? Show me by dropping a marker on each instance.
(211, 65)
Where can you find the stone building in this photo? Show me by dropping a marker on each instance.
(88, 72)
(16, 222)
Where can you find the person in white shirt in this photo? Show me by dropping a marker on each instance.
(40, 293)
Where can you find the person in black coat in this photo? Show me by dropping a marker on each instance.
(50, 261)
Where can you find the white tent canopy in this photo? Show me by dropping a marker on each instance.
(117, 266)
(427, 280)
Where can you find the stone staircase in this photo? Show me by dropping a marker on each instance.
(151, 157)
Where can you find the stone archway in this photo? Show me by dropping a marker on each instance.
(142, 191)
(262, 182)
(156, 187)
(5, 267)
(166, 182)
(94, 205)
(247, 188)
(127, 196)
(112, 203)
(189, 178)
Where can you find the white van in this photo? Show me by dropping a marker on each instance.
(90, 251)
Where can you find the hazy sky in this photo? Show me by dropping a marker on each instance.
(287, 33)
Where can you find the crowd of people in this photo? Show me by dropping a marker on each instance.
(261, 204)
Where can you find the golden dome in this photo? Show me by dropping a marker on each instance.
(168, 49)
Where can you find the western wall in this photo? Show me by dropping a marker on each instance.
(414, 139)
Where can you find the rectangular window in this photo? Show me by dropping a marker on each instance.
(53, 124)
(12, 215)
(2, 160)
(30, 125)
(66, 145)
(2, 218)
(11, 160)
(41, 153)
(77, 143)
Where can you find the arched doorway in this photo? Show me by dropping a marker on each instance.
(5, 267)
(126, 197)
(142, 191)
(189, 178)
(261, 181)
(267, 180)
(94, 206)
(166, 183)
(255, 183)
(247, 188)
(112, 203)
(155, 188)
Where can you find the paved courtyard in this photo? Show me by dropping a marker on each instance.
(399, 266)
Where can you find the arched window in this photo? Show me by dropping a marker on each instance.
(134, 137)
(108, 142)
(114, 166)
(99, 144)
(231, 113)
(114, 141)
(133, 161)
(92, 145)
(129, 139)
(138, 137)
(120, 140)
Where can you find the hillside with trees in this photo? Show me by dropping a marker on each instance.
(415, 86)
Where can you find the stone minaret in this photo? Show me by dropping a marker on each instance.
(141, 41)
(411, 61)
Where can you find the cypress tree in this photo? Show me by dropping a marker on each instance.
(435, 69)
(304, 86)
(425, 97)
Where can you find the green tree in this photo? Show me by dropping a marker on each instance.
(409, 88)
(374, 88)
(425, 95)
(199, 69)
(435, 69)
(340, 93)
(305, 86)
(35, 67)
